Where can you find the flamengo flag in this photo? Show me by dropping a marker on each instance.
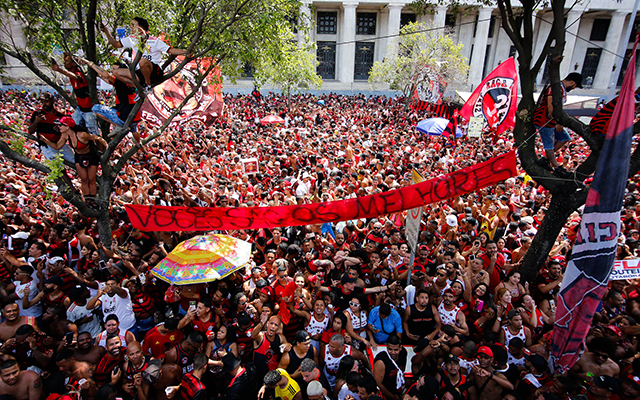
(452, 127)
(495, 99)
(589, 269)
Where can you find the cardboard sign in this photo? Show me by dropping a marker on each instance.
(475, 127)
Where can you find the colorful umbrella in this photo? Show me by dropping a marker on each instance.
(271, 119)
(203, 259)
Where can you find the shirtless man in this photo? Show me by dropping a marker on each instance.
(78, 371)
(490, 384)
(21, 385)
(155, 381)
(13, 320)
(596, 362)
(519, 253)
(133, 367)
(476, 273)
(87, 351)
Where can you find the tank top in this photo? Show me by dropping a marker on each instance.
(132, 370)
(295, 361)
(447, 317)
(267, 355)
(184, 359)
(315, 327)
(245, 344)
(359, 323)
(214, 355)
(508, 335)
(421, 323)
(122, 334)
(102, 372)
(331, 363)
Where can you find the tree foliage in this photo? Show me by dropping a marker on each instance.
(231, 32)
(418, 56)
(293, 68)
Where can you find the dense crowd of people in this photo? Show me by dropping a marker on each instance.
(340, 313)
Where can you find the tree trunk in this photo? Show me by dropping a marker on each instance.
(561, 206)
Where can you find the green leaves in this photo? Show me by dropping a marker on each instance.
(419, 54)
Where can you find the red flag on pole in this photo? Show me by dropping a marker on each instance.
(587, 276)
(495, 99)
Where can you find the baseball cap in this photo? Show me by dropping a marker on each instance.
(633, 379)
(538, 362)
(66, 121)
(20, 235)
(452, 220)
(451, 358)
(55, 280)
(512, 314)
(54, 260)
(485, 350)
(151, 374)
(347, 279)
(606, 382)
(576, 77)
(614, 329)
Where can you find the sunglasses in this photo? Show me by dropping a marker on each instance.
(442, 275)
(351, 303)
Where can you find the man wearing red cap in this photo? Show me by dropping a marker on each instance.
(490, 384)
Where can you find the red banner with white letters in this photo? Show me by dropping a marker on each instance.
(161, 218)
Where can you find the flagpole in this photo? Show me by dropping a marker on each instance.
(616, 74)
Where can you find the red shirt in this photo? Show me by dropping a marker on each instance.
(158, 344)
(496, 276)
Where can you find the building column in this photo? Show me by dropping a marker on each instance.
(607, 60)
(393, 30)
(348, 37)
(572, 26)
(306, 21)
(480, 46)
(440, 18)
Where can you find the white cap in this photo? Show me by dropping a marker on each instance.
(452, 220)
(20, 235)
(54, 260)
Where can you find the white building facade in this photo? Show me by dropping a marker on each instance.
(352, 35)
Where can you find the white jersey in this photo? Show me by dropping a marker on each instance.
(332, 363)
(153, 48)
(101, 339)
(121, 307)
(76, 312)
(33, 311)
(315, 327)
(448, 317)
(508, 335)
(359, 323)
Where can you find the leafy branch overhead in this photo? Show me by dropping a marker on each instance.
(229, 32)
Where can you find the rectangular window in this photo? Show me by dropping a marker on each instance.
(327, 23)
(513, 52)
(366, 23)
(599, 30)
(486, 61)
(475, 25)
(405, 19)
(364, 60)
(492, 26)
(450, 20)
(625, 64)
(326, 55)
(590, 65)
